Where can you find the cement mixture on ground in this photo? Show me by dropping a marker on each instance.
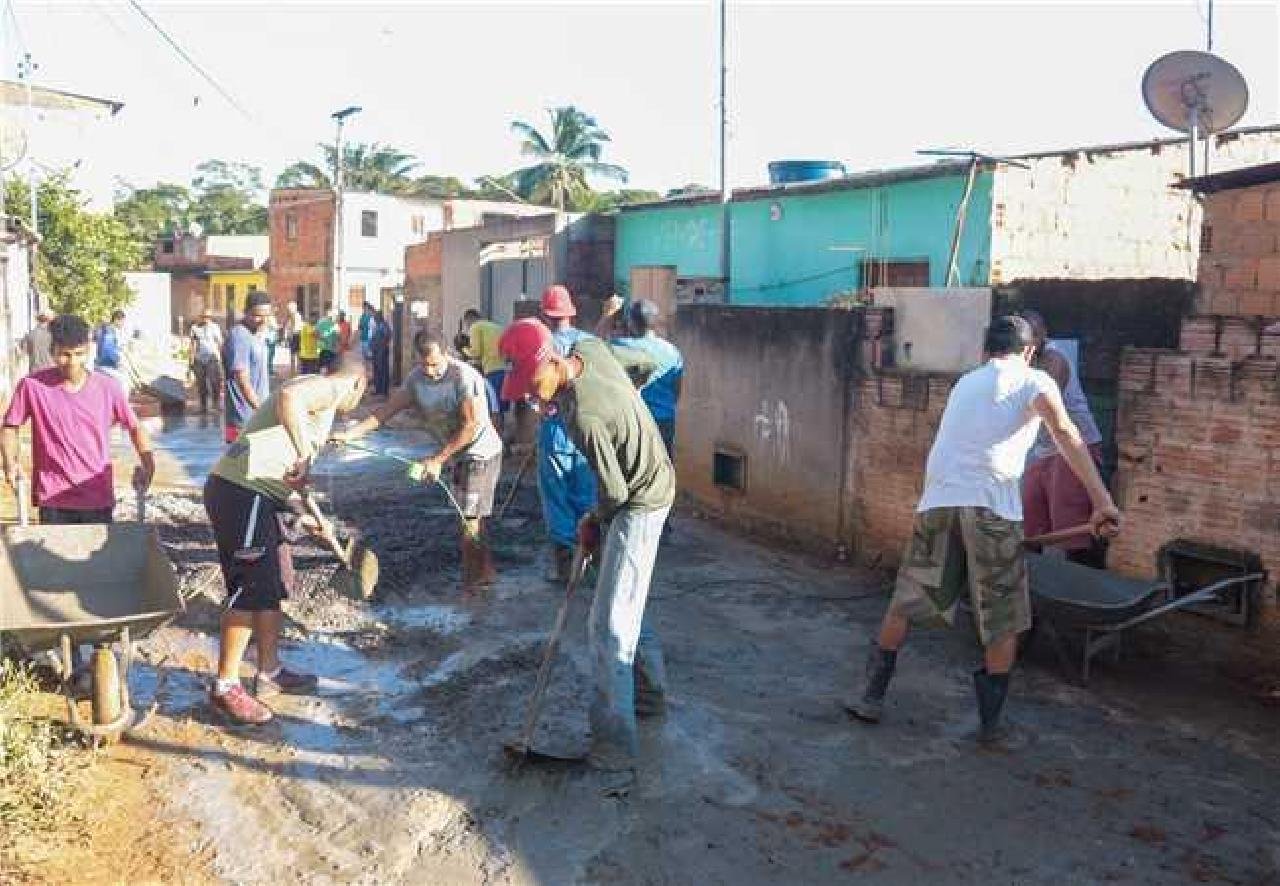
(1158, 772)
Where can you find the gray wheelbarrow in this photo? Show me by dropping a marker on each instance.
(102, 585)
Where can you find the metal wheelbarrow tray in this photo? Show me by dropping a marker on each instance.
(94, 584)
(1068, 597)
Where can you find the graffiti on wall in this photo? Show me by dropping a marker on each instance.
(773, 430)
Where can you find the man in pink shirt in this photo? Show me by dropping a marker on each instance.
(72, 410)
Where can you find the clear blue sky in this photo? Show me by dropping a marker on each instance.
(862, 82)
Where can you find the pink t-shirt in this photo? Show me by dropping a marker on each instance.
(71, 437)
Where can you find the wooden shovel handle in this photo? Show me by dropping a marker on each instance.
(1058, 535)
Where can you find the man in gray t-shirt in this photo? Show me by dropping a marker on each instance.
(450, 398)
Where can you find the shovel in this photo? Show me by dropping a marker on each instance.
(358, 577)
(519, 751)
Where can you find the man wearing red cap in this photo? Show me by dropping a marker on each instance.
(565, 481)
(605, 417)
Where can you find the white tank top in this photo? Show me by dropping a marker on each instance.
(1077, 406)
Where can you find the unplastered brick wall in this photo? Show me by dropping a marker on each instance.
(894, 419)
(1240, 252)
(1199, 456)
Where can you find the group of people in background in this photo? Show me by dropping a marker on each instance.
(315, 345)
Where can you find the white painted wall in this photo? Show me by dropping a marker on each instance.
(1100, 215)
(150, 311)
(378, 262)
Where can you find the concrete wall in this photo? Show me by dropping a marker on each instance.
(1106, 214)
(834, 443)
(747, 393)
(803, 249)
(940, 330)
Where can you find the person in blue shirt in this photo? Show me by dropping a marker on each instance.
(565, 481)
(662, 391)
(244, 356)
(107, 342)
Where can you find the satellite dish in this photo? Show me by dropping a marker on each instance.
(1195, 92)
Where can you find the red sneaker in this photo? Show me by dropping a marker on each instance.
(240, 706)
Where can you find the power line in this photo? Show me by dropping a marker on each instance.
(195, 66)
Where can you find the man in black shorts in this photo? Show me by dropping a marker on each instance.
(253, 498)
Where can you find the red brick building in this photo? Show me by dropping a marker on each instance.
(190, 260)
(301, 229)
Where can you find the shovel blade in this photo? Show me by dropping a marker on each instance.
(357, 578)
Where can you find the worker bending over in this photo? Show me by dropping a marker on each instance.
(450, 398)
(254, 501)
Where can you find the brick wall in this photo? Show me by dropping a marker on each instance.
(305, 258)
(1240, 252)
(1199, 454)
(895, 419)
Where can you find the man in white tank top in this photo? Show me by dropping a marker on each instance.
(1053, 497)
(967, 533)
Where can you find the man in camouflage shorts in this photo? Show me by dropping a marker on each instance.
(968, 523)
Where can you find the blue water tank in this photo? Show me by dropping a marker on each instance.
(789, 172)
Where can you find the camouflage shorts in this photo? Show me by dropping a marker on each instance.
(949, 544)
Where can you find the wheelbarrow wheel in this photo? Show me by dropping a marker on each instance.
(106, 686)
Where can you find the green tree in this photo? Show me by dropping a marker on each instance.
(565, 158)
(82, 255)
(228, 198)
(365, 167)
(150, 213)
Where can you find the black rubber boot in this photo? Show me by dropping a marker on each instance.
(992, 690)
(880, 665)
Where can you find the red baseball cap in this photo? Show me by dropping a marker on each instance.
(528, 345)
(556, 302)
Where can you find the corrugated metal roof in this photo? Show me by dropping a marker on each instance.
(871, 179)
(1232, 179)
(15, 95)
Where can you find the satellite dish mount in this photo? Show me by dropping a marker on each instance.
(1197, 93)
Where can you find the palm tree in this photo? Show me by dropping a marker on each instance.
(564, 160)
(374, 167)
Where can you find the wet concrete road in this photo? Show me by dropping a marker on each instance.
(1158, 772)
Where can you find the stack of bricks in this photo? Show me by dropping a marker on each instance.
(1240, 252)
(1198, 434)
(895, 419)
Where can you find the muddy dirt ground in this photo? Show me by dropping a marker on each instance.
(1160, 771)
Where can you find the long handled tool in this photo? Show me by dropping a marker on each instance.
(358, 576)
(519, 751)
(416, 473)
(515, 484)
(1058, 535)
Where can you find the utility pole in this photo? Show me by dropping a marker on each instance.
(340, 117)
(26, 71)
(724, 139)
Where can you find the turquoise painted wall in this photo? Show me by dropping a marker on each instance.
(685, 236)
(790, 261)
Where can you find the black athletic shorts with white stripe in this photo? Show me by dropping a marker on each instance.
(253, 535)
